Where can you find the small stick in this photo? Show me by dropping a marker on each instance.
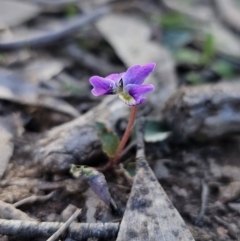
(67, 29)
(204, 197)
(65, 226)
(33, 199)
(8, 211)
(91, 61)
(76, 231)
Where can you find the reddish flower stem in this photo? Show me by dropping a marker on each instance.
(126, 135)
(124, 140)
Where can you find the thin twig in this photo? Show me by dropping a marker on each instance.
(76, 231)
(98, 65)
(33, 199)
(8, 211)
(70, 27)
(204, 197)
(65, 225)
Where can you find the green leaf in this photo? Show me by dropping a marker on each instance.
(194, 78)
(187, 56)
(208, 49)
(131, 168)
(109, 139)
(71, 10)
(74, 90)
(173, 20)
(155, 131)
(223, 68)
(1, 58)
(75, 171)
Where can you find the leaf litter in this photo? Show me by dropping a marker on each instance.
(51, 82)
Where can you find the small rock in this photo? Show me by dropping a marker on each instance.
(230, 192)
(3, 238)
(160, 170)
(233, 230)
(190, 210)
(235, 207)
(219, 207)
(222, 231)
(180, 191)
(68, 212)
(191, 170)
(231, 172)
(215, 169)
(53, 217)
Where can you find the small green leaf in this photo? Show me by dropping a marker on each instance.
(208, 49)
(131, 169)
(194, 78)
(2, 58)
(71, 10)
(223, 68)
(173, 20)
(75, 171)
(155, 131)
(72, 89)
(109, 139)
(187, 56)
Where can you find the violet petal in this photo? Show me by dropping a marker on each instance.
(101, 86)
(137, 92)
(137, 74)
(115, 77)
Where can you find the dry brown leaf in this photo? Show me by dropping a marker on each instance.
(14, 13)
(9, 127)
(17, 90)
(41, 69)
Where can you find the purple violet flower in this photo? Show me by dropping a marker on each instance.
(127, 85)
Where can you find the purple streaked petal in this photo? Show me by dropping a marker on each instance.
(142, 100)
(137, 74)
(102, 86)
(138, 90)
(115, 77)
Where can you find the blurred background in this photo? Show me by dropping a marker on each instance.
(53, 47)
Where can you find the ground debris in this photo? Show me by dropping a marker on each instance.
(205, 112)
(13, 13)
(8, 211)
(15, 89)
(77, 231)
(149, 211)
(230, 192)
